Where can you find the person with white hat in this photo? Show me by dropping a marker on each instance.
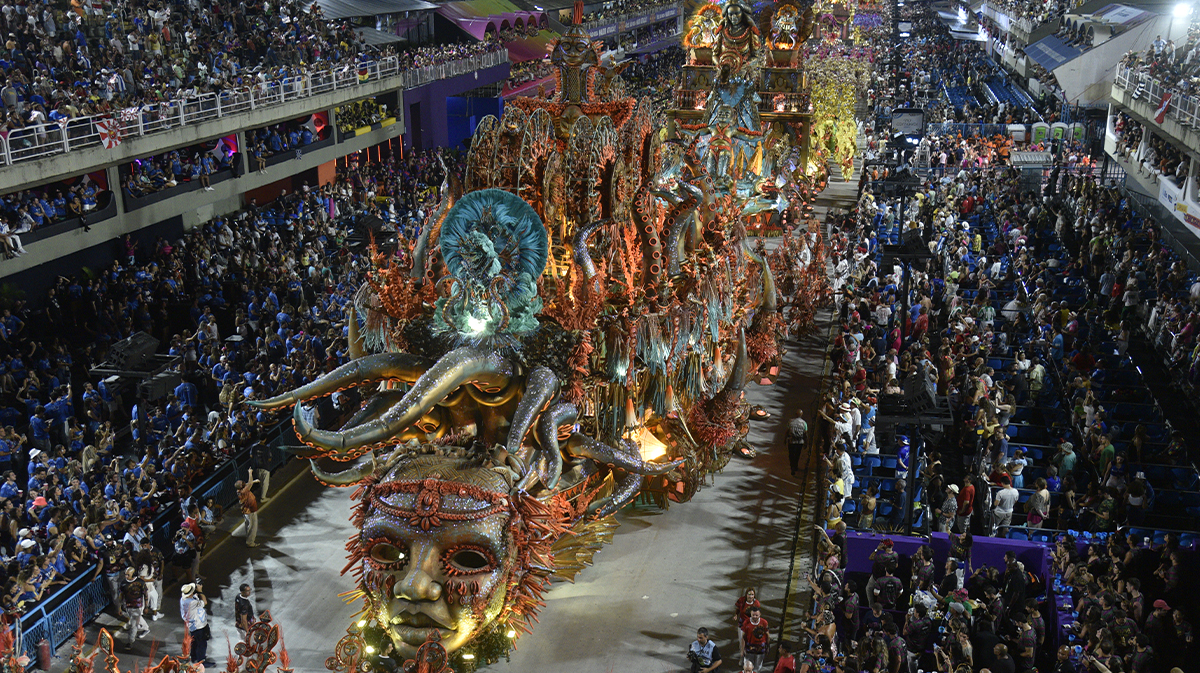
(842, 423)
(902, 452)
(193, 608)
(27, 550)
(948, 510)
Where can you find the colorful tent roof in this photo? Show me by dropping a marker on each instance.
(530, 48)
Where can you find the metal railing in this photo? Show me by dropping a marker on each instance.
(1151, 205)
(1019, 20)
(43, 140)
(631, 20)
(1182, 108)
(57, 617)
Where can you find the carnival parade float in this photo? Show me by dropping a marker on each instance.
(571, 333)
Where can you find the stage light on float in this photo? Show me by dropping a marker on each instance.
(468, 656)
(1182, 9)
(649, 445)
(370, 649)
(362, 623)
(476, 325)
(511, 634)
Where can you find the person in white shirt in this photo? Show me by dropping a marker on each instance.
(1002, 511)
(845, 466)
(883, 314)
(192, 604)
(25, 221)
(11, 241)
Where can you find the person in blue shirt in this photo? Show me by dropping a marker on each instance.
(220, 370)
(187, 393)
(38, 428)
(207, 168)
(132, 470)
(90, 393)
(38, 479)
(35, 211)
(28, 551)
(113, 488)
(9, 490)
(902, 458)
(56, 413)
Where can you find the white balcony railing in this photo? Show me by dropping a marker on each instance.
(1182, 108)
(43, 140)
(631, 20)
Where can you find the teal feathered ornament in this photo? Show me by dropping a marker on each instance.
(495, 247)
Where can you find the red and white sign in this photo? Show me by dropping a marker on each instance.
(110, 132)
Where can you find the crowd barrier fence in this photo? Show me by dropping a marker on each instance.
(57, 617)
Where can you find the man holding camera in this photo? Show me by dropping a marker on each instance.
(703, 653)
(193, 608)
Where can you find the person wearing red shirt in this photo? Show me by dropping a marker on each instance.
(747, 602)
(757, 638)
(920, 325)
(966, 505)
(192, 523)
(787, 661)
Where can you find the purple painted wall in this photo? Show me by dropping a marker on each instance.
(425, 106)
(987, 551)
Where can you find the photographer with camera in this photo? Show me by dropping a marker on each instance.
(703, 653)
(193, 607)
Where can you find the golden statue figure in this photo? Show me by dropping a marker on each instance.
(738, 41)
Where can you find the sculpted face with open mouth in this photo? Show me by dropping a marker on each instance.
(436, 546)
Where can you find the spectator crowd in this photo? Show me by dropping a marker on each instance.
(252, 304)
(64, 62)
